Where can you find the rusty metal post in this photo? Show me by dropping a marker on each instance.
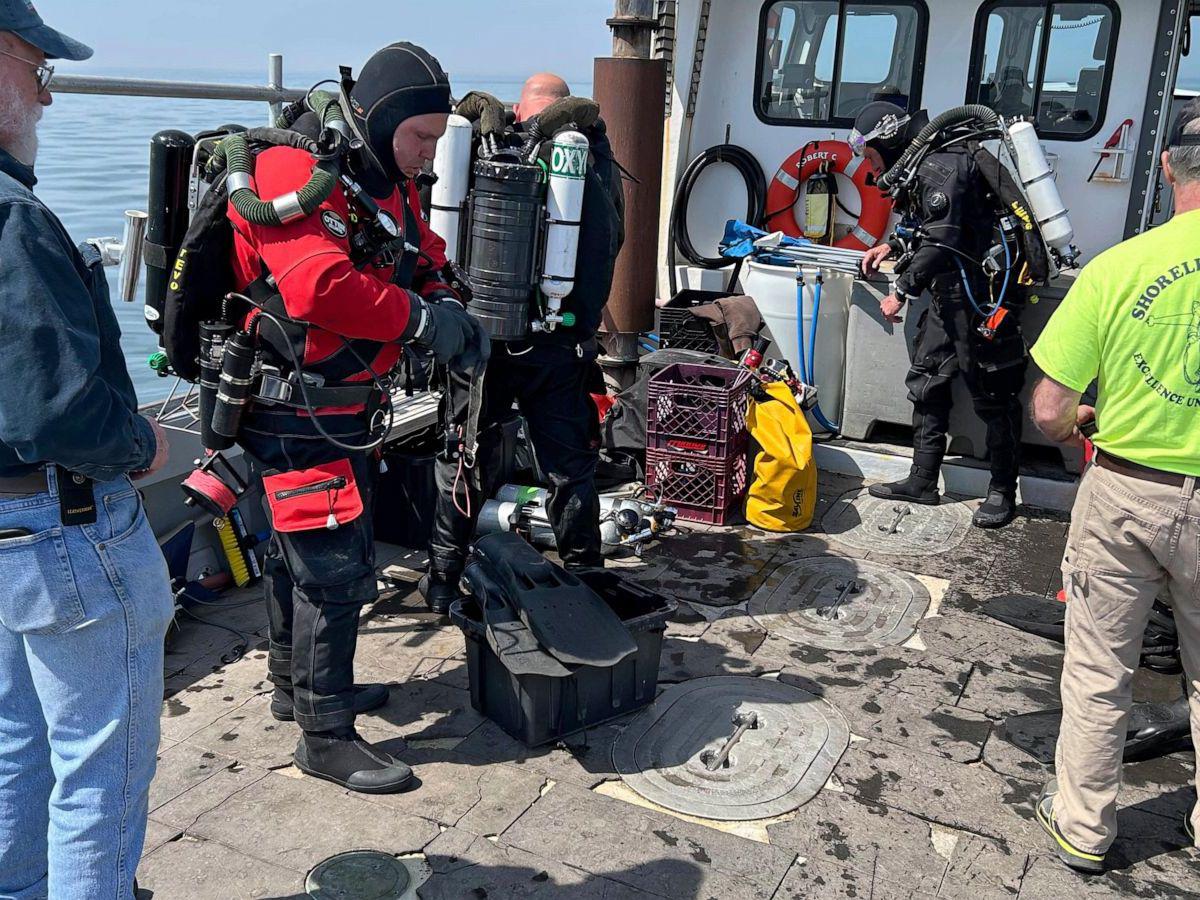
(630, 87)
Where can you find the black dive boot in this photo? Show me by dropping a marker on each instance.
(439, 591)
(346, 759)
(997, 510)
(366, 698)
(919, 487)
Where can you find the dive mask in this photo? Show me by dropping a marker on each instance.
(889, 128)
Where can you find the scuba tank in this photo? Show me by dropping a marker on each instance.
(522, 233)
(170, 163)
(1041, 191)
(506, 211)
(452, 168)
(564, 213)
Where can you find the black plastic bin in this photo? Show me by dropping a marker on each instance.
(538, 709)
(405, 498)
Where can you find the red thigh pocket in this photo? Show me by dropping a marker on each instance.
(323, 496)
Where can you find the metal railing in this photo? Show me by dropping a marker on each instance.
(273, 92)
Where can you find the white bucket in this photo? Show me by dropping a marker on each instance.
(774, 291)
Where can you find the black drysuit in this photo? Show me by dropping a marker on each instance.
(951, 201)
(550, 377)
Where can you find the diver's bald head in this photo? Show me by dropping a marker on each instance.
(539, 92)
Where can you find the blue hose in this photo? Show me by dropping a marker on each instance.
(1008, 267)
(806, 362)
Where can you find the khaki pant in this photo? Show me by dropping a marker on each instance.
(1129, 538)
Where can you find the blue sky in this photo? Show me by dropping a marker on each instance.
(490, 38)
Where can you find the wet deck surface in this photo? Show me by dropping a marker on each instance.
(928, 801)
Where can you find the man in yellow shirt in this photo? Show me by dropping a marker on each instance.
(1132, 323)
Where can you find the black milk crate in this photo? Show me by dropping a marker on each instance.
(702, 489)
(697, 404)
(538, 709)
(678, 329)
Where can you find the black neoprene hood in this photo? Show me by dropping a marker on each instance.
(398, 82)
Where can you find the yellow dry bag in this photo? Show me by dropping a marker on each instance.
(783, 494)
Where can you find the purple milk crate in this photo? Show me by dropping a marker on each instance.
(702, 405)
(702, 489)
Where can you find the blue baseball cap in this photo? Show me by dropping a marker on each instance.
(19, 17)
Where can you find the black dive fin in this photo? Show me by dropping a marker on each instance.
(569, 620)
(1155, 729)
(506, 634)
(1035, 615)
(1047, 618)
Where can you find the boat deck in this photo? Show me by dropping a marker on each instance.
(928, 801)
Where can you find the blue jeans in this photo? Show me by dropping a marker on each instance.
(83, 613)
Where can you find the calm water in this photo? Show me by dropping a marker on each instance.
(94, 160)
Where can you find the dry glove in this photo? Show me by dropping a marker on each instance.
(453, 337)
(482, 107)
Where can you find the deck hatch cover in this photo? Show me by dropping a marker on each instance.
(840, 604)
(732, 748)
(859, 520)
(366, 875)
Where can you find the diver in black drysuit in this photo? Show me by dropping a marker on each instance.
(952, 205)
(550, 376)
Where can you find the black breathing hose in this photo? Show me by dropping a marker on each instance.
(974, 112)
(756, 194)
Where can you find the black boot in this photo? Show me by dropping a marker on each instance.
(366, 698)
(997, 510)
(919, 487)
(346, 759)
(439, 591)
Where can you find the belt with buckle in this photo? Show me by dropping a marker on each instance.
(1137, 470)
(275, 389)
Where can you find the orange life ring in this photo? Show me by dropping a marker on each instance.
(801, 166)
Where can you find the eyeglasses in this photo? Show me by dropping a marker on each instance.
(42, 73)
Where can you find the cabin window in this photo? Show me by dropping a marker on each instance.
(821, 61)
(1057, 76)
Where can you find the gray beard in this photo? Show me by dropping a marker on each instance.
(18, 127)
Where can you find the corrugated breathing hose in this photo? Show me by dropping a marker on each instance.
(756, 195)
(975, 112)
(234, 153)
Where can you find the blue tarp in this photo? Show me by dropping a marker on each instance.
(738, 242)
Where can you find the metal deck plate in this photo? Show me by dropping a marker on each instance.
(790, 742)
(840, 604)
(859, 520)
(365, 875)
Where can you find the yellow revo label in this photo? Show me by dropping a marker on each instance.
(177, 270)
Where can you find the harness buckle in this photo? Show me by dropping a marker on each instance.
(274, 389)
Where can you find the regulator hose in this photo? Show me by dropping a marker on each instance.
(756, 194)
(959, 115)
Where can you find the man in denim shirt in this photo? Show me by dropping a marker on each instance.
(84, 595)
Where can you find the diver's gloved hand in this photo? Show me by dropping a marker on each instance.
(453, 337)
(482, 107)
(579, 112)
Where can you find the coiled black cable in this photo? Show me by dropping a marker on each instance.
(756, 196)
